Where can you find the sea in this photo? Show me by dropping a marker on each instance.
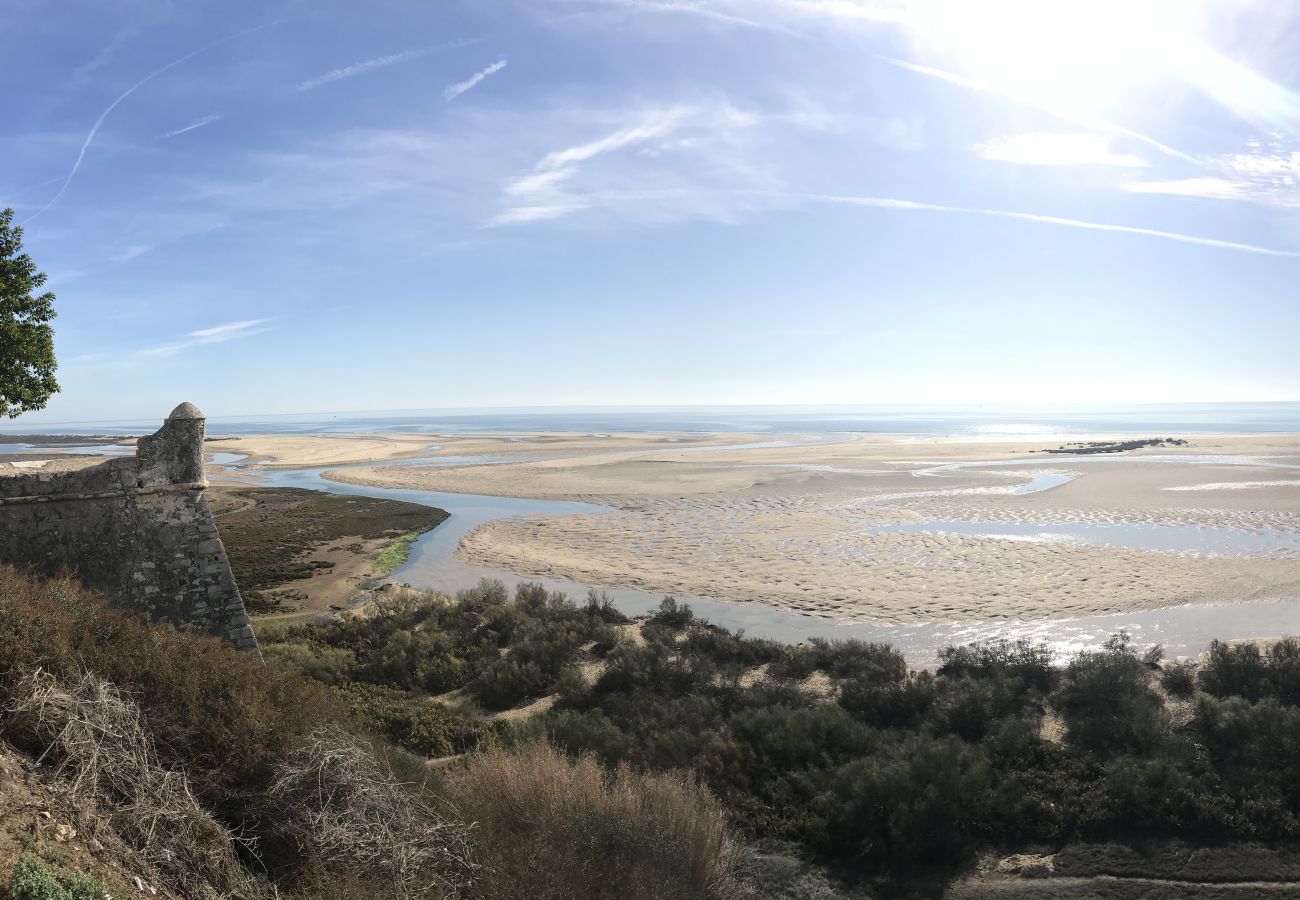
(969, 421)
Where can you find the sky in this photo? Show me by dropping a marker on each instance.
(289, 206)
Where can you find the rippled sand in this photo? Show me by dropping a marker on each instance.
(799, 527)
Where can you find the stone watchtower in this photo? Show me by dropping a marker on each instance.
(137, 529)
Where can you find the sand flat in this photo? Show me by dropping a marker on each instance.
(806, 527)
(308, 451)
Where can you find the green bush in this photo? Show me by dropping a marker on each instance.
(1235, 670)
(1243, 670)
(1108, 703)
(328, 665)
(1179, 680)
(672, 614)
(418, 724)
(1030, 662)
(34, 879)
(911, 805)
(876, 663)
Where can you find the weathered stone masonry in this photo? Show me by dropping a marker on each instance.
(137, 528)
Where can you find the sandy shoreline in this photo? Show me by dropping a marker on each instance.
(806, 528)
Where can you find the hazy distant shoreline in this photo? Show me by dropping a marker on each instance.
(991, 421)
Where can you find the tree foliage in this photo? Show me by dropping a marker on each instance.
(27, 362)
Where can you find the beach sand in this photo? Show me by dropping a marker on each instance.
(799, 527)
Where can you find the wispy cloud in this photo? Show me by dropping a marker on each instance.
(135, 250)
(94, 130)
(1059, 112)
(379, 62)
(197, 123)
(693, 9)
(1209, 187)
(540, 194)
(217, 334)
(1052, 149)
(1267, 173)
(894, 203)
(105, 53)
(473, 81)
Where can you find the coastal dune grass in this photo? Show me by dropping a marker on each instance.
(551, 827)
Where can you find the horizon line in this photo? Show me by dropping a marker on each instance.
(651, 407)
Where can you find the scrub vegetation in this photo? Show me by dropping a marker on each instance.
(522, 745)
(208, 774)
(838, 749)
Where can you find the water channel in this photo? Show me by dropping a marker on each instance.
(1182, 631)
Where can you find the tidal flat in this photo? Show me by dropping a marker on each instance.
(860, 528)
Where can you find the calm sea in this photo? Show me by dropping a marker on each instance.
(957, 421)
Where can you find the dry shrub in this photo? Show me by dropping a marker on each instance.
(548, 827)
(102, 752)
(223, 717)
(346, 808)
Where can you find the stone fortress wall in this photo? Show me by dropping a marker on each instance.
(136, 528)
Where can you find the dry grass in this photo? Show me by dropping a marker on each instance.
(94, 738)
(346, 808)
(549, 827)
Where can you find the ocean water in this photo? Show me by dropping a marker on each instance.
(974, 421)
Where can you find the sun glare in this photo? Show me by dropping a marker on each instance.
(1083, 57)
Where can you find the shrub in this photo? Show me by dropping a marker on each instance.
(345, 808)
(672, 614)
(328, 665)
(549, 828)
(909, 807)
(222, 717)
(653, 668)
(874, 663)
(99, 745)
(1029, 661)
(890, 705)
(1179, 679)
(1238, 670)
(1107, 701)
(600, 605)
(418, 724)
(972, 707)
(1242, 670)
(33, 879)
(1284, 659)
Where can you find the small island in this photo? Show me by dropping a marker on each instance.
(1081, 447)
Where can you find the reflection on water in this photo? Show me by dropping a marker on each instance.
(75, 449)
(224, 458)
(433, 565)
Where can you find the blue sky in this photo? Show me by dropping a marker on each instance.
(277, 207)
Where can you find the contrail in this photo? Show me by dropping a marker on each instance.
(67, 181)
(893, 203)
(380, 62)
(1083, 121)
(472, 81)
(198, 123)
